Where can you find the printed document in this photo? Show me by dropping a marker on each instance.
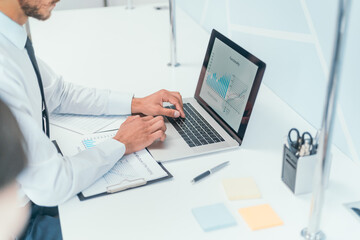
(138, 166)
(86, 124)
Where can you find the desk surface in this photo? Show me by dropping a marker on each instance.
(128, 50)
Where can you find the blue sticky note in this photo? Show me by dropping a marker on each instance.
(214, 217)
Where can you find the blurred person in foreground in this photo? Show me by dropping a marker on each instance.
(12, 162)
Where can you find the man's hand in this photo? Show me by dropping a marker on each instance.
(138, 132)
(153, 104)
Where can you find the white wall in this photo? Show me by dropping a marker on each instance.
(75, 4)
(295, 39)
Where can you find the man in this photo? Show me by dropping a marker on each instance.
(12, 162)
(31, 90)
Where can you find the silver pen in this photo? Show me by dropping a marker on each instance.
(208, 172)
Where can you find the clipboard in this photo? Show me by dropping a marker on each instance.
(132, 184)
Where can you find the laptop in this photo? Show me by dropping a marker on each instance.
(218, 114)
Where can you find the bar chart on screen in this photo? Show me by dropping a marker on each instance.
(219, 84)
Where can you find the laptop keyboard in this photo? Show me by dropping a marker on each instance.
(194, 129)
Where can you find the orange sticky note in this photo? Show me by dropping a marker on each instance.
(260, 217)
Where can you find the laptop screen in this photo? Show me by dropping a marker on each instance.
(228, 82)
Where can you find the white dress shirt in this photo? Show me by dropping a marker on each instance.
(49, 178)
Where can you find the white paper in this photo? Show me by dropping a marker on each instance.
(86, 124)
(136, 166)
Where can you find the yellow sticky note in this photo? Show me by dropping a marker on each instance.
(260, 217)
(241, 188)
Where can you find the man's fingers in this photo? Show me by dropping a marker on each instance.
(131, 118)
(179, 97)
(157, 118)
(163, 136)
(178, 106)
(158, 135)
(179, 109)
(157, 124)
(175, 99)
(169, 112)
(147, 118)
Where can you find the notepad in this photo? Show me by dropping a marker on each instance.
(241, 188)
(131, 170)
(260, 217)
(213, 217)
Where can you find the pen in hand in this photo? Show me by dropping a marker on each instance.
(208, 172)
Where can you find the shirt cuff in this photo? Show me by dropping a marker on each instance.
(119, 103)
(113, 149)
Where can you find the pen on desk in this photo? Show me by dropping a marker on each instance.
(356, 210)
(161, 7)
(208, 172)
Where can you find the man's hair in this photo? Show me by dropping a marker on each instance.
(12, 147)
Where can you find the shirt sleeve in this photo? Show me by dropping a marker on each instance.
(50, 179)
(65, 97)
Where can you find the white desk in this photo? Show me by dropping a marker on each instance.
(128, 50)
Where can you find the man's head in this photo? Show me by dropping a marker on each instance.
(20, 10)
(39, 9)
(12, 162)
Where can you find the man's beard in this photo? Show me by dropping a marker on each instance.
(33, 10)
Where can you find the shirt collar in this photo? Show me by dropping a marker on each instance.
(14, 32)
